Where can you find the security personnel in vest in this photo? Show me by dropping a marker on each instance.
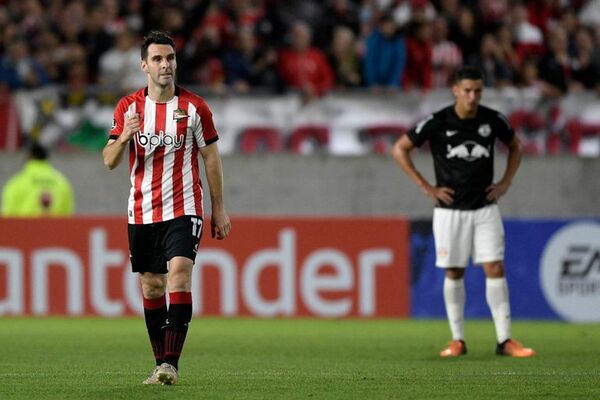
(38, 189)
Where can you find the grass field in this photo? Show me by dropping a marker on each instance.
(295, 359)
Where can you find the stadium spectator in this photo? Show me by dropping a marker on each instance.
(419, 62)
(344, 58)
(496, 72)
(506, 47)
(584, 76)
(166, 209)
(246, 66)
(120, 65)
(465, 33)
(466, 218)
(555, 66)
(446, 56)
(405, 11)
(493, 13)
(304, 67)
(19, 70)
(201, 56)
(525, 33)
(385, 56)
(340, 13)
(95, 39)
(38, 189)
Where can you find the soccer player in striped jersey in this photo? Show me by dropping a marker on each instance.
(164, 128)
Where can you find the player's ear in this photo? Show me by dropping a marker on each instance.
(455, 89)
(144, 66)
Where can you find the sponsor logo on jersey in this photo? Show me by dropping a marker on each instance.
(484, 130)
(451, 133)
(179, 114)
(468, 151)
(570, 272)
(160, 139)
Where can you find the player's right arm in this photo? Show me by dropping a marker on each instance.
(114, 149)
(401, 153)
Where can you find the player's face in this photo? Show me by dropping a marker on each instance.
(468, 95)
(160, 65)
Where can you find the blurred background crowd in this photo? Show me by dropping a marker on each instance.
(311, 47)
(239, 45)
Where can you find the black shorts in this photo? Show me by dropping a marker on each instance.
(153, 245)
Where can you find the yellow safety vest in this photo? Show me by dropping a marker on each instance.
(38, 190)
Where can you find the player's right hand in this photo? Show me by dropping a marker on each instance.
(131, 127)
(443, 194)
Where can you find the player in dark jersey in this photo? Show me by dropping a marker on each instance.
(165, 129)
(466, 219)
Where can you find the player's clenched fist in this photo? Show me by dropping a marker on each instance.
(131, 126)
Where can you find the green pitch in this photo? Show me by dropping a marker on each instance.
(295, 359)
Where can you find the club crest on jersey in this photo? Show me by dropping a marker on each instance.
(179, 114)
(484, 130)
(160, 139)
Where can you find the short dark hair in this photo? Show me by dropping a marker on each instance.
(156, 37)
(37, 151)
(468, 72)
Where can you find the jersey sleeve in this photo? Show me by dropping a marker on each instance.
(205, 132)
(505, 131)
(419, 133)
(118, 119)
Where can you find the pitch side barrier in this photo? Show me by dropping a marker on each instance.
(268, 267)
(299, 267)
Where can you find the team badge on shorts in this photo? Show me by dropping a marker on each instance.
(179, 114)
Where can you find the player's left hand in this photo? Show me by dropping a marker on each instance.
(496, 190)
(220, 225)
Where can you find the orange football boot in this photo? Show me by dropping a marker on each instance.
(455, 348)
(512, 348)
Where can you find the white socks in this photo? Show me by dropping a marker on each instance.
(496, 294)
(454, 298)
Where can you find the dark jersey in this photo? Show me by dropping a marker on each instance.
(463, 152)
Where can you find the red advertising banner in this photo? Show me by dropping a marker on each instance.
(268, 267)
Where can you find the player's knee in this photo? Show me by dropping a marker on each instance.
(494, 269)
(152, 286)
(179, 281)
(455, 273)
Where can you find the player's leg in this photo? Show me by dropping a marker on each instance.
(181, 242)
(147, 260)
(155, 315)
(180, 307)
(452, 236)
(489, 251)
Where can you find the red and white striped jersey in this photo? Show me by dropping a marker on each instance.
(163, 155)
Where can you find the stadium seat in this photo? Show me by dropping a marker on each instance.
(260, 140)
(529, 125)
(380, 138)
(309, 139)
(577, 132)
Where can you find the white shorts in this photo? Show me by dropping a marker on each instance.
(460, 234)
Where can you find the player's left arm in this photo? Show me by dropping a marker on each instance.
(498, 189)
(220, 225)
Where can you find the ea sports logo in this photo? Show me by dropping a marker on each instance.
(570, 272)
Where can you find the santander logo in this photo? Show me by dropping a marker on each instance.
(160, 139)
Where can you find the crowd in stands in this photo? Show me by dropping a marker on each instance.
(312, 46)
(549, 48)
